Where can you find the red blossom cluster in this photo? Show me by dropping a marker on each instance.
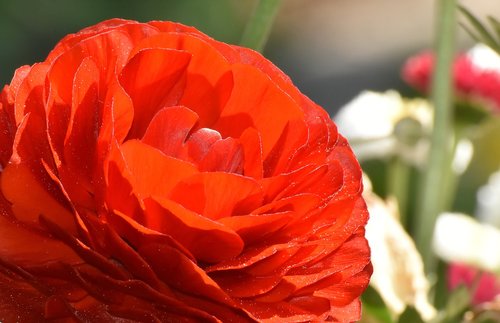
(471, 82)
(485, 285)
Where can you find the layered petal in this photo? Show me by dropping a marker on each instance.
(151, 173)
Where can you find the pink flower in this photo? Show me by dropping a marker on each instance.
(487, 288)
(472, 81)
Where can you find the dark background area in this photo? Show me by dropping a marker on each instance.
(29, 29)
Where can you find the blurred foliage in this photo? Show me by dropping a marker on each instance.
(30, 28)
(374, 308)
(410, 315)
(480, 32)
(486, 160)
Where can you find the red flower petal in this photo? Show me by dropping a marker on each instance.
(252, 147)
(15, 180)
(154, 78)
(235, 117)
(20, 301)
(208, 82)
(153, 173)
(79, 157)
(217, 195)
(131, 29)
(253, 228)
(224, 155)
(117, 118)
(17, 245)
(207, 240)
(169, 129)
(182, 273)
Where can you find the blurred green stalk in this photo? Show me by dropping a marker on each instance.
(259, 26)
(398, 180)
(433, 197)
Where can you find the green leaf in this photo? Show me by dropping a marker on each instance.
(495, 24)
(458, 302)
(473, 35)
(259, 25)
(489, 316)
(485, 35)
(470, 113)
(410, 315)
(374, 306)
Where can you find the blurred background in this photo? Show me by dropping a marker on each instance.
(332, 49)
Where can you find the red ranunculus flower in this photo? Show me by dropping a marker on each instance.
(151, 173)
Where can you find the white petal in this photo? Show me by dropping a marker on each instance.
(370, 115)
(484, 58)
(369, 122)
(463, 156)
(398, 271)
(460, 238)
(488, 201)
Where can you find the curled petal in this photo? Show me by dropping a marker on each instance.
(154, 78)
(152, 173)
(207, 240)
(169, 129)
(218, 194)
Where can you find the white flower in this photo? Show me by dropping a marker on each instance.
(398, 271)
(488, 201)
(460, 238)
(380, 125)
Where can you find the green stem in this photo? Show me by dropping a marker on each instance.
(433, 192)
(398, 180)
(451, 179)
(259, 26)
